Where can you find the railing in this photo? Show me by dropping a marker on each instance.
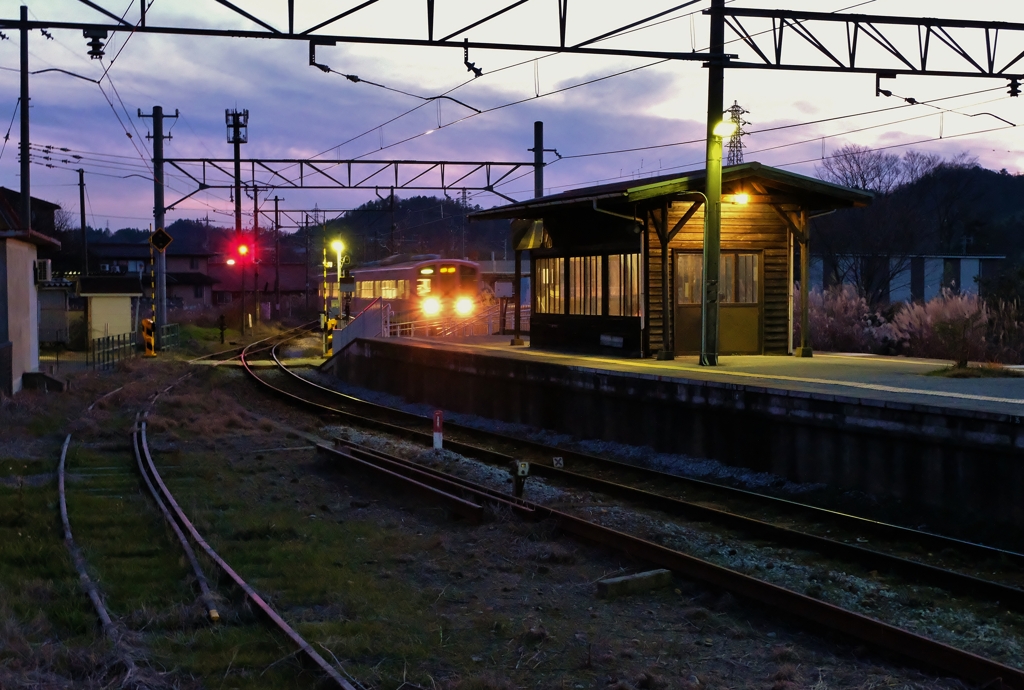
(369, 323)
(106, 352)
(170, 335)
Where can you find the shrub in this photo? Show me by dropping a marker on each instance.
(840, 320)
(947, 327)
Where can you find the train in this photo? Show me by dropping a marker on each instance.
(424, 287)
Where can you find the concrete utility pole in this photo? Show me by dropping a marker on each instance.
(158, 216)
(255, 247)
(81, 208)
(538, 191)
(713, 188)
(277, 256)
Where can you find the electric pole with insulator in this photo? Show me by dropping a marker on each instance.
(159, 210)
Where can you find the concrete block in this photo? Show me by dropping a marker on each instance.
(634, 584)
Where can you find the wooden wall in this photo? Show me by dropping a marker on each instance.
(754, 227)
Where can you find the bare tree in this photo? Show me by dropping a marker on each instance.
(918, 201)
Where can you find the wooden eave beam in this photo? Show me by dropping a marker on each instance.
(685, 218)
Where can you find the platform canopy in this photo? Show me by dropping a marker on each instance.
(760, 183)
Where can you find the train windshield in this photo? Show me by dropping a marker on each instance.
(467, 277)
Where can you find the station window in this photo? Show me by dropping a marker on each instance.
(585, 285)
(737, 278)
(550, 289)
(624, 281)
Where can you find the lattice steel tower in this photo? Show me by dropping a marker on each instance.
(735, 146)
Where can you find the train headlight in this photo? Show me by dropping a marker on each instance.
(431, 306)
(464, 306)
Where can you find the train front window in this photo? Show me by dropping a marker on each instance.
(422, 287)
(467, 277)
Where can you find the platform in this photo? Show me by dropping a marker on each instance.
(877, 425)
(870, 377)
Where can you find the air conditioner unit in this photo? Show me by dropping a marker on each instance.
(105, 268)
(43, 270)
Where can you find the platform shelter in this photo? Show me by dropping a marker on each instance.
(618, 268)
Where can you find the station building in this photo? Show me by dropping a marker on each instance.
(597, 255)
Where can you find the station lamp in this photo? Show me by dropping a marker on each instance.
(725, 128)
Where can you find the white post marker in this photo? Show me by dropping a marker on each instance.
(438, 434)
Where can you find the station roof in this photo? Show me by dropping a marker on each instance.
(775, 185)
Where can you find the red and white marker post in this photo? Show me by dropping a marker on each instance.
(438, 431)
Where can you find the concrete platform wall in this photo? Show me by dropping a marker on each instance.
(951, 462)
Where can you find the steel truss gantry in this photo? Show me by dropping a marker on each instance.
(908, 45)
(896, 56)
(321, 173)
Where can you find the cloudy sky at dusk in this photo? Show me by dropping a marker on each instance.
(297, 111)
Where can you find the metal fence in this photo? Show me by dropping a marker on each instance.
(170, 336)
(106, 352)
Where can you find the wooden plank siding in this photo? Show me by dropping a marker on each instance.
(753, 227)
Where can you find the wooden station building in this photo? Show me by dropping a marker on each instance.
(597, 273)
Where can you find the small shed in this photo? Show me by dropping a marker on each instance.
(112, 304)
(54, 324)
(597, 273)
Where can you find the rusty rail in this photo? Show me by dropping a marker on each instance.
(250, 592)
(936, 655)
(951, 580)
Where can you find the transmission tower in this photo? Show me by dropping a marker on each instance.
(736, 113)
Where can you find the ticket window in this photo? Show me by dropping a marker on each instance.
(740, 302)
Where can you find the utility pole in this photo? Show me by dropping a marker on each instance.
(256, 246)
(238, 134)
(538, 191)
(713, 188)
(307, 259)
(158, 216)
(277, 256)
(81, 207)
(464, 206)
(26, 169)
(392, 247)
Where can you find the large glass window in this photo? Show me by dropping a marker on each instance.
(550, 289)
(738, 278)
(585, 285)
(624, 281)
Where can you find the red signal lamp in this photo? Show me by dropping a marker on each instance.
(243, 249)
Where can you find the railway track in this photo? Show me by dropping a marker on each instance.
(186, 534)
(452, 490)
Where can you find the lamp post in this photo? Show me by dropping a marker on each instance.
(338, 246)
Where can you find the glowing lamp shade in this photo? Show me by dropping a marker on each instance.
(337, 246)
(431, 306)
(725, 128)
(741, 198)
(230, 262)
(243, 249)
(464, 306)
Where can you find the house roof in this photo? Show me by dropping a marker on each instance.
(812, 194)
(109, 285)
(32, 237)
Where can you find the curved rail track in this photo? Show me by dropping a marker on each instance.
(174, 513)
(468, 498)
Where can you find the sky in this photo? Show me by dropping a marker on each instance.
(589, 104)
